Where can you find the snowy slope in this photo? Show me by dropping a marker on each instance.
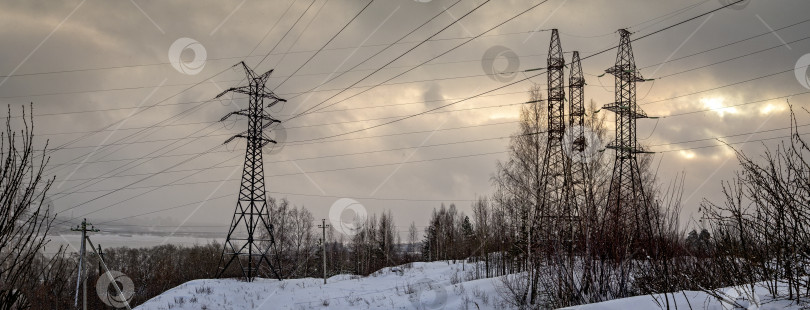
(424, 286)
(733, 298)
(436, 285)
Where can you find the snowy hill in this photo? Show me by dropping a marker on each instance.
(436, 285)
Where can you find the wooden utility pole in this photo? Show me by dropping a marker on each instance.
(110, 276)
(82, 278)
(323, 227)
(100, 258)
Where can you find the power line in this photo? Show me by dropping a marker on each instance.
(412, 147)
(250, 55)
(291, 142)
(133, 183)
(518, 81)
(125, 168)
(685, 113)
(727, 44)
(732, 59)
(429, 60)
(200, 105)
(154, 187)
(393, 60)
(726, 143)
(667, 16)
(486, 92)
(317, 157)
(734, 135)
(300, 144)
(692, 69)
(327, 43)
(286, 33)
(722, 86)
(140, 111)
(432, 200)
(382, 50)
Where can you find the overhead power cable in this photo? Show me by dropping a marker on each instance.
(327, 43)
(393, 60)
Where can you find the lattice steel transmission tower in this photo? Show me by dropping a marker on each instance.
(626, 192)
(576, 103)
(251, 234)
(575, 187)
(553, 192)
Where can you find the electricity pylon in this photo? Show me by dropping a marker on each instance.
(576, 173)
(250, 247)
(576, 110)
(552, 190)
(626, 191)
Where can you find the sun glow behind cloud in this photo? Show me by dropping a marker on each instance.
(771, 108)
(716, 105)
(687, 154)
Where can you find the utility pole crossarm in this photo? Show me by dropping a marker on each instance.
(81, 278)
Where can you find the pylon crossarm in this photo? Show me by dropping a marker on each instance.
(631, 75)
(263, 78)
(266, 141)
(268, 118)
(234, 137)
(269, 95)
(244, 112)
(275, 100)
(241, 90)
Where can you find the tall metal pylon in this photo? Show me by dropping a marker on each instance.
(553, 194)
(626, 191)
(575, 168)
(576, 103)
(246, 243)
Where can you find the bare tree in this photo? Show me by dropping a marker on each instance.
(760, 231)
(24, 223)
(412, 239)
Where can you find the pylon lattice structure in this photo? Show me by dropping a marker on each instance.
(250, 235)
(553, 176)
(626, 193)
(576, 173)
(576, 98)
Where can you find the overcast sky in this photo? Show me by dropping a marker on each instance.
(100, 71)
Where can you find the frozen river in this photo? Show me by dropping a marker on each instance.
(73, 241)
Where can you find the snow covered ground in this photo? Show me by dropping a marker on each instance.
(423, 286)
(436, 285)
(734, 298)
